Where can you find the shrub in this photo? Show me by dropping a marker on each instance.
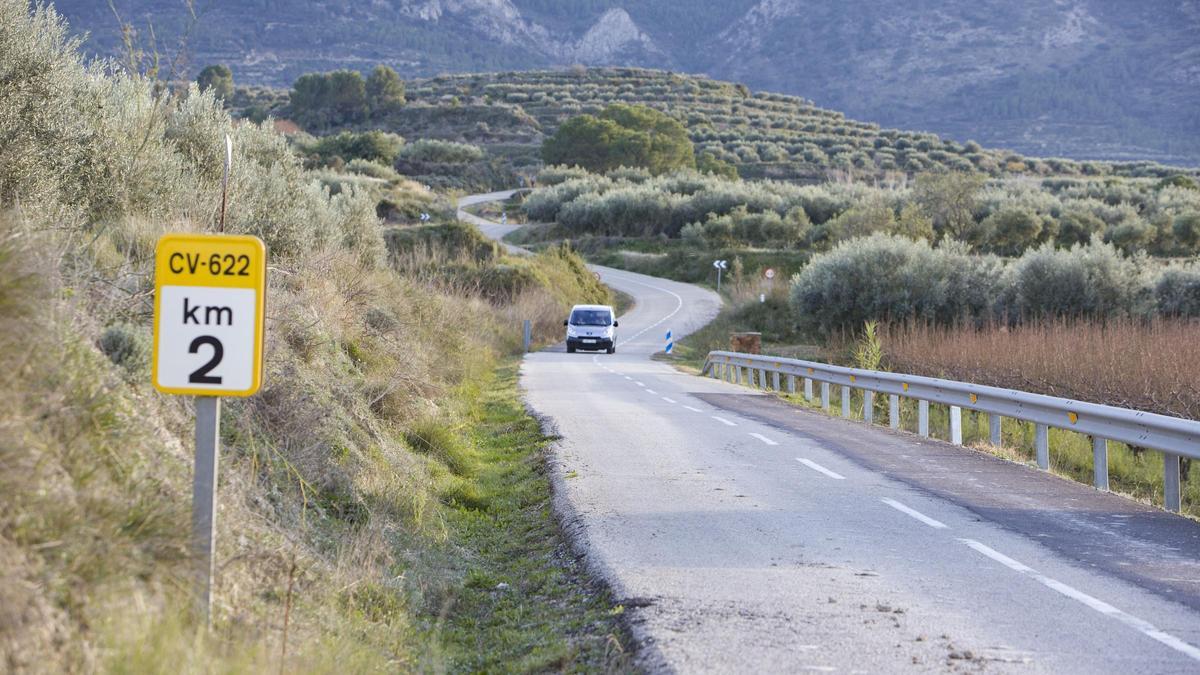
(127, 346)
(1186, 228)
(372, 146)
(440, 152)
(1012, 230)
(553, 175)
(1177, 292)
(218, 78)
(886, 277)
(1088, 280)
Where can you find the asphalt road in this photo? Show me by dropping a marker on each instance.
(746, 535)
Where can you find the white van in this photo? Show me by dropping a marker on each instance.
(591, 327)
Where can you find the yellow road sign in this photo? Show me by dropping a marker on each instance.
(210, 291)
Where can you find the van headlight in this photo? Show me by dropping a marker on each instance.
(571, 331)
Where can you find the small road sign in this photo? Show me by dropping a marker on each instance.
(208, 337)
(425, 217)
(208, 314)
(670, 343)
(770, 273)
(720, 265)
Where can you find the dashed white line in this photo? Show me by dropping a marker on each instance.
(724, 421)
(669, 399)
(678, 306)
(935, 524)
(651, 391)
(688, 407)
(820, 469)
(764, 439)
(1141, 625)
(640, 384)
(628, 378)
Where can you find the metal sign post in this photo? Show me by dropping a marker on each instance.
(204, 500)
(720, 265)
(528, 335)
(209, 298)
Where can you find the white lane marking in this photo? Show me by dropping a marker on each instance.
(629, 378)
(935, 524)
(678, 306)
(693, 409)
(639, 384)
(669, 400)
(724, 421)
(651, 391)
(820, 469)
(1141, 625)
(764, 439)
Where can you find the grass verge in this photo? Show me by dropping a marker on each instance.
(519, 601)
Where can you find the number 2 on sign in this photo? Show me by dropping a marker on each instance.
(201, 374)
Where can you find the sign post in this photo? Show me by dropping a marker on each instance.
(720, 265)
(210, 292)
(670, 343)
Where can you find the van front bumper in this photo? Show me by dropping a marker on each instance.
(595, 343)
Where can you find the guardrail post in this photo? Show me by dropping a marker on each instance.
(894, 411)
(1171, 494)
(528, 336)
(923, 418)
(791, 384)
(994, 430)
(845, 401)
(775, 379)
(737, 374)
(1100, 462)
(1041, 441)
(762, 379)
(825, 395)
(808, 392)
(868, 406)
(956, 425)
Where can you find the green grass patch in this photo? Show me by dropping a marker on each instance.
(521, 602)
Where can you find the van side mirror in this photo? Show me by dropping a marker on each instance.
(616, 323)
(565, 321)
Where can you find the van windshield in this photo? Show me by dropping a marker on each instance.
(591, 317)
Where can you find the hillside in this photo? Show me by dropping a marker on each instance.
(1078, 78)
(765, 135)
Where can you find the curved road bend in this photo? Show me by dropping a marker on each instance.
(746, 535)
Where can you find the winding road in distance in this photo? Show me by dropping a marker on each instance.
(746, 535)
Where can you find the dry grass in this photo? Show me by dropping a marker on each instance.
(1152, 366)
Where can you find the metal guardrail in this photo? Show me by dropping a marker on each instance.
(1172, 436)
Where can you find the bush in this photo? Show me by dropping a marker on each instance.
(892, 278)
(127, 346)
(1092, 280)
(372, 146)
(553, 175)
(440, 152)
(1177, 292)
(1012, 230)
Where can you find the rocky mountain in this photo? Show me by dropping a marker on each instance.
(1078, 78)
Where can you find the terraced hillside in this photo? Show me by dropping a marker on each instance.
(766, 135)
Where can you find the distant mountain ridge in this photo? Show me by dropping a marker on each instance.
(1101, 79)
